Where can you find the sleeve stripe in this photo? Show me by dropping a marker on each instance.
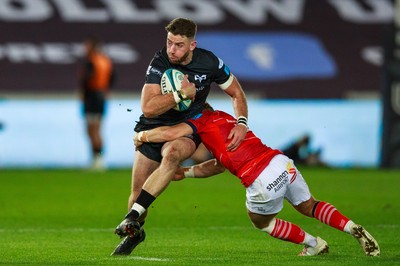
(227, 83)
(192, 126)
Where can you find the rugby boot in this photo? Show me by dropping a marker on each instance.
(129, 243)
(319, 249)
(367, 242)
(128, 227)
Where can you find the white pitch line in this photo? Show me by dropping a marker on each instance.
(149, 259)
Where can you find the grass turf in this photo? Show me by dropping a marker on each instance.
(66, 217)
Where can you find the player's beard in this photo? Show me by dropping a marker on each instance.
(180, 60)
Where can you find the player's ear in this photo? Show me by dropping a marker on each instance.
(193, 45)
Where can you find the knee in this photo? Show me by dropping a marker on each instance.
(269, 227)
(262, 221)
(306, 207)
(171, 155)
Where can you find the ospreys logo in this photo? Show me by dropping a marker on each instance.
(200, 78)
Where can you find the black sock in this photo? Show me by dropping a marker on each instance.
(132, 214)
(145, 199)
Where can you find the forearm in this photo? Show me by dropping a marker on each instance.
(238, 98)
(162, 134)
(239, 103)
(154, 135)
(205, 169)
(154, 103)
(157, 105)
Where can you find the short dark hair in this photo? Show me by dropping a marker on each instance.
(182, 26)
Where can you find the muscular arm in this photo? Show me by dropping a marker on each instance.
(238, 98)
(239, 102)
(208, 168)
(154, 103)
(203, 170)
(162, 134)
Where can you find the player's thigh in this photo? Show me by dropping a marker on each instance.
(262, 200)
(297, 188)
(266, 194)
(141, 170)
(178, 150)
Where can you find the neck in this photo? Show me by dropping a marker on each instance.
(188, 59)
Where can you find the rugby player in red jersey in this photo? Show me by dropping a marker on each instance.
(268, 176)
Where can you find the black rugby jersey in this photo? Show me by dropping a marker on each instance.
(204, 69)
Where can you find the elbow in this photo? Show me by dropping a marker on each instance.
(149, 112)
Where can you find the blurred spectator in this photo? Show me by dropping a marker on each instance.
(96, 79)
(301, 153)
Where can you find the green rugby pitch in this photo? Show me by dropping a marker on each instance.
(67, 217)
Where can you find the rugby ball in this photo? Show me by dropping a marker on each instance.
(171, 80)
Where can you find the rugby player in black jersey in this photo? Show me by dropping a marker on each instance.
(201, 68)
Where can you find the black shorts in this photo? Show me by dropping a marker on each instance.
(94, 102)
(153, 150)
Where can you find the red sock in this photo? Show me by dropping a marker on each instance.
(287, 231)
(328, 214)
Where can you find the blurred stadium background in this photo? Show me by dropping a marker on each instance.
(324, 68)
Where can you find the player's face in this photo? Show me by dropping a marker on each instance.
(179, 49)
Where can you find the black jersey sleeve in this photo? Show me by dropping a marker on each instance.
(156, 68)
(221, 71)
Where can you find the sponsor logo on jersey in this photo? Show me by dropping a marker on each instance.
(148, 70)
(292, 171)
(153, 70)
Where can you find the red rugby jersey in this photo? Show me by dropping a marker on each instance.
(247, 161)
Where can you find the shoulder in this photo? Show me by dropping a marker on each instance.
(160, 58)
(203, 54)
(157, 67)
(206, 59)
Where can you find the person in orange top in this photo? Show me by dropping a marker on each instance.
(97, 76)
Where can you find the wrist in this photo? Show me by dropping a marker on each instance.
(189, 172)
(242, 120)
(139, 136)
(182, 95)
(142, 136)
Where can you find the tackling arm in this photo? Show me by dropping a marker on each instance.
(203, 170)
(162, 134)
